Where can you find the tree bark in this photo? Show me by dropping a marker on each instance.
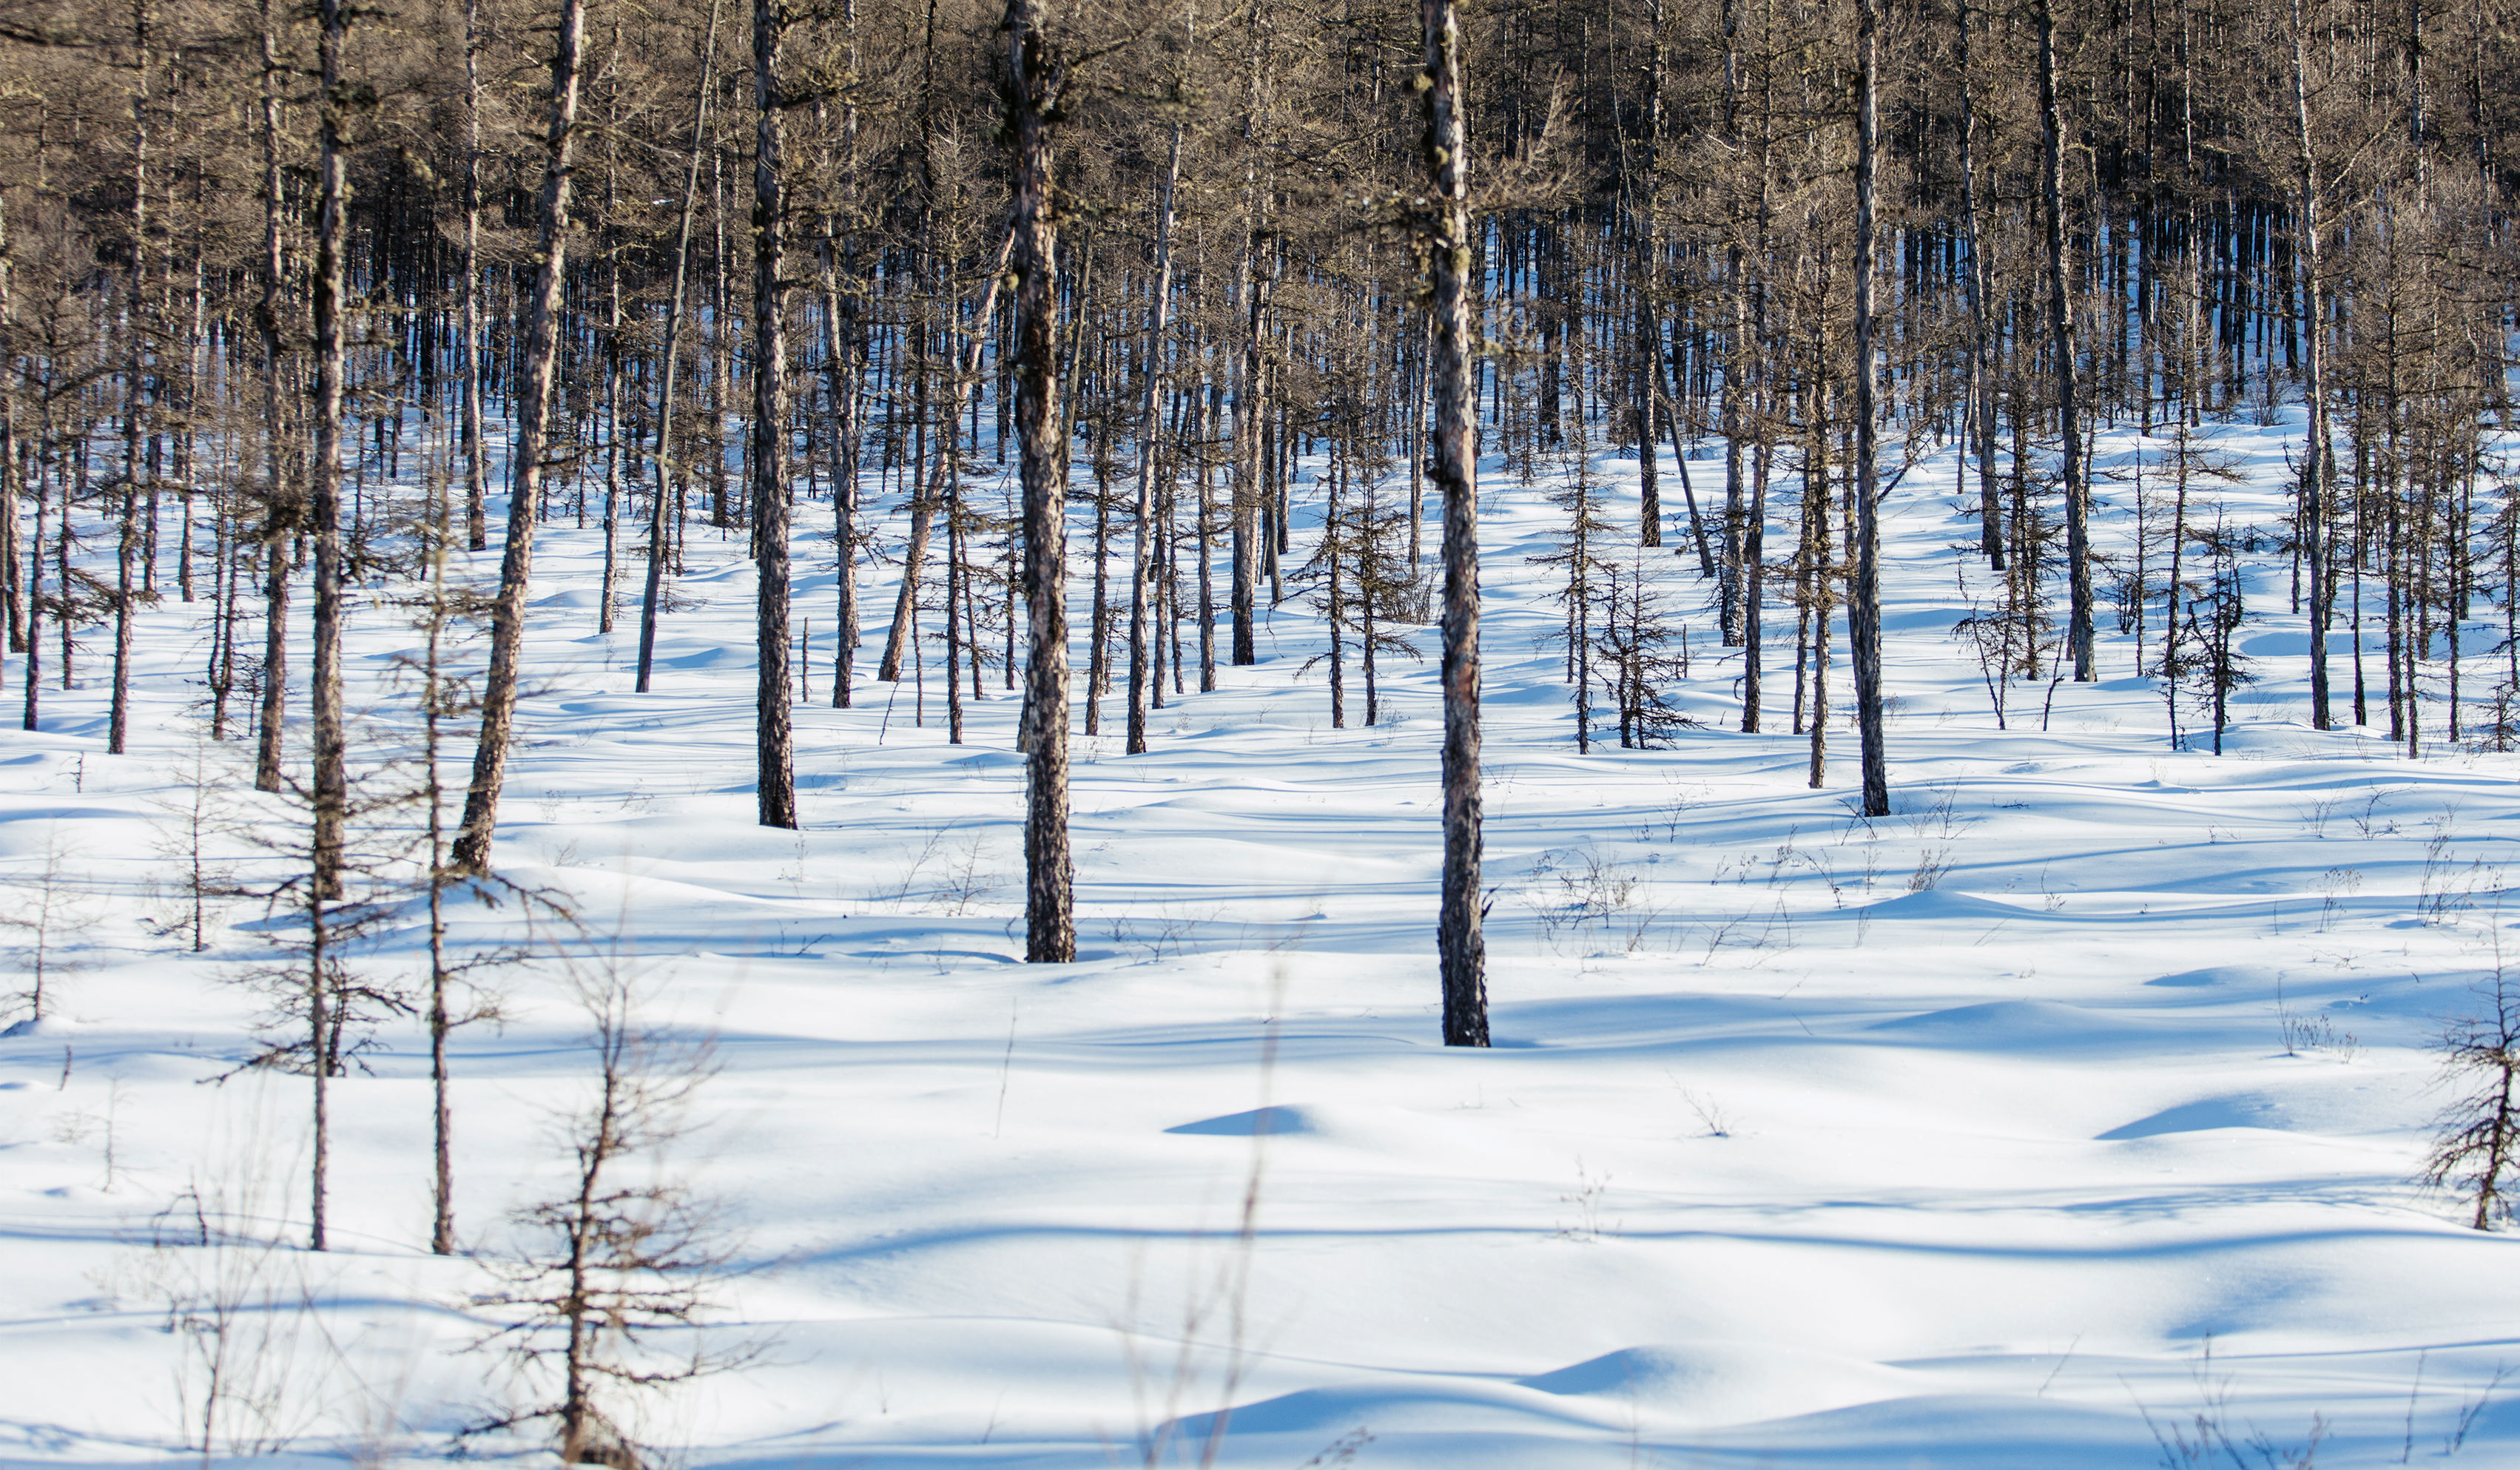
(278, 504)
(328, 783)
(772, 731)
(1864, 600)
(476, 530)
(1034, 78)
(1453, 467)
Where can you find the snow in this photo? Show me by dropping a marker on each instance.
(1777, 1162)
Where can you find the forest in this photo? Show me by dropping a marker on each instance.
(625, 617)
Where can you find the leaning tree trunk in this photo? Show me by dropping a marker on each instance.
(652, 594)
(1864, 601)
(533, 415)
(1033, 82)
(773, 732)
(1453, 465)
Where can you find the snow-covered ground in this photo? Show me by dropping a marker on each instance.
(2065, 1118)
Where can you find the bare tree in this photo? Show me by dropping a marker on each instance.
(2478, 1146)
(613, 1274)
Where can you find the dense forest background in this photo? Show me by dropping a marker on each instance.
(809, 274)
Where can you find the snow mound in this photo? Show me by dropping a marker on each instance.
(1712, 1382)
(1992, 1023)
(2216, 975)
(2242, 1110)
(1944, 905)
(1274, 1122)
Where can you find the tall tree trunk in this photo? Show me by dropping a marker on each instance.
(2319, 465)
(773, 733)
(1453, 465)
(477, 527)
(534, 414)
(1981, 343)
(2060, 333)
(328, 738)
(328, 784)
(1034, 78)
(134, 388)
(1864, 598)
(840, 332)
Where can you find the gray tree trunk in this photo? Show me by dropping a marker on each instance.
(1864, 598)
(2060, 331)
(1453, 465)
(1034, 76)
(773, 730)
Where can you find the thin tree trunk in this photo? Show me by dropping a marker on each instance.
(1981, 344)
(118, 717)
(2060, 331)
(476, 529)
(2319, 465)
(1142, 672)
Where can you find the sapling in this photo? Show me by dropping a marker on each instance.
(192, 822)
(2479, 1131)
(613, 1271)
(48, 912)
